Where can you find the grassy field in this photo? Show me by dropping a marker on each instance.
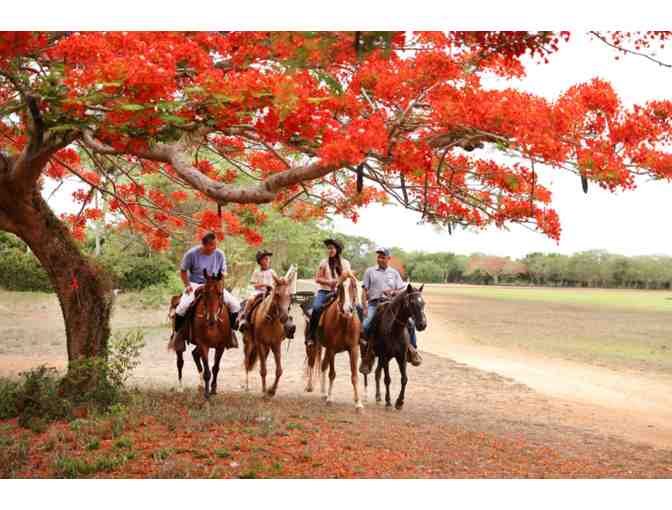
(612, 298)
(616, 328)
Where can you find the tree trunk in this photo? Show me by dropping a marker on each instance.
(83, 290)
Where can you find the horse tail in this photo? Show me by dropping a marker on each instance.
(251, 360)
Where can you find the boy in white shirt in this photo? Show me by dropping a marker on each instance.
(262, 281)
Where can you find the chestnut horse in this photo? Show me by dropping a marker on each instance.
(210, 328)
(340, 332)
(269, 322)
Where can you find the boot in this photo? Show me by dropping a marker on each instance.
(178, 339)
(414, 356)
(233, 317)
(312, 326)
(234, 340)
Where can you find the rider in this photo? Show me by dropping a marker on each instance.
(262, 281)
(328, 272)
(380, 283)
(195, 261)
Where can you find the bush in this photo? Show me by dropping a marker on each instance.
(22, 271)
(135, 273)
(42, 396)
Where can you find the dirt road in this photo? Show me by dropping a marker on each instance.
(578, 410)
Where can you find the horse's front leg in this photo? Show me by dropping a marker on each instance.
(206, 370)
(388, 380)
(215, 369)
(323, 373)
(332, 376)
(263, 354)
(277, 356)
(401, 361)
(354, 376)
(379, 371)
(180, 364)
(197, 360)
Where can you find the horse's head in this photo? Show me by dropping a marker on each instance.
(212, 296)
(282, 294)
(416, 306)
(347, 296)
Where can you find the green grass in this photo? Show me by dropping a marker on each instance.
(618, 298)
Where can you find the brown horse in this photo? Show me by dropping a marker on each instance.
(340, 332)
(269, 323)
(210, 328)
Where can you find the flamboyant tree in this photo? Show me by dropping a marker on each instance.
(313, 123)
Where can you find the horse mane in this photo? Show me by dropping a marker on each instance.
(390, 313)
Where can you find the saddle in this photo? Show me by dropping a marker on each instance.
(330, 299)
(185, 337)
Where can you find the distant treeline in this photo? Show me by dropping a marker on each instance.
(595, 268)
(133, 266)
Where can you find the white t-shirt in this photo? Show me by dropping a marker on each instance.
(263, 277)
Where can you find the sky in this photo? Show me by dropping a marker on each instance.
(629, 223)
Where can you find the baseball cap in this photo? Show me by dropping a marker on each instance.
(384, 251)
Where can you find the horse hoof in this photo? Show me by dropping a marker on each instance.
(329, 401)
(388, 404)
(180, 389)
(309, 390)
(398, 406)
(359, 407)
(325, 397)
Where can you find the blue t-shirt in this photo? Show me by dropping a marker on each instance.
(195, 261)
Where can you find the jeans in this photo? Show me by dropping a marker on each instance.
(318, 303)
(410, 325)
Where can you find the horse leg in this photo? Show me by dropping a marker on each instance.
(215, 369)
(311, 355)
(366, 388)
(388, 380)
(379, 370)
(263, 354)
(323, 373)
(401, 361)
(206, 371)
(277, 355)
(197, 359)
(332, 376)
(180, 364)
(354, 375)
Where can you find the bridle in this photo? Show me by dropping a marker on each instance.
(206, 301)
(274, 309)
(340, 297)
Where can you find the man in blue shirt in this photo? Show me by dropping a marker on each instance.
(380, 283)
(195, 261)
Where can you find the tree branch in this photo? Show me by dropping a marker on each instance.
(176, 156)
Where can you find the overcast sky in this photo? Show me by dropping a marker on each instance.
(630, 223)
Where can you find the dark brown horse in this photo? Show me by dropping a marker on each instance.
(269, 325)
(340, 332)
(209, 327)
(389, 338)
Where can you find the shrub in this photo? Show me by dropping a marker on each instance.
(38, 400)
(42, 396)
(8, 393)
(135, 273)
(20, 270)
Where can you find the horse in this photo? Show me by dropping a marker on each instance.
(210, 328)
(269, 325)
(340, 332)
(389, 337)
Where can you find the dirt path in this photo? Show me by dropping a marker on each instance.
(624, 403)
(460, 386)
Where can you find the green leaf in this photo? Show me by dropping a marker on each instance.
(130, 107)
(330, 81)
(173, 119)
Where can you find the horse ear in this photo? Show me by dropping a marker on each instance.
(205, 273)
(219, 275)
(421, 287)
(409, 288)
(276, 280)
